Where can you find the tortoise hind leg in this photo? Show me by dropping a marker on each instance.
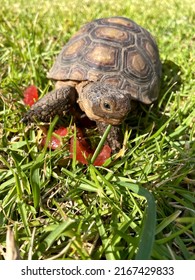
(56, 102)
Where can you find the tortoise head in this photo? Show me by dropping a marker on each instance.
(104, 103)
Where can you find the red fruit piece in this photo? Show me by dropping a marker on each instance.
(55, 142)
(82, 140)
(30, 95)
(81, 151)
(62, 131)
(103, 156)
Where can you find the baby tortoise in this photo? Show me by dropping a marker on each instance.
(106, 65)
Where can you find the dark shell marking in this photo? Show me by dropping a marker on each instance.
(114, 51)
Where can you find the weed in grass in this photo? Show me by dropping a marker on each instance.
(137, 206)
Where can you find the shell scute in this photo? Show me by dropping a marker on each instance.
(102, 57)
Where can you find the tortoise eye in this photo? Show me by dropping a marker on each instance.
(107, 106)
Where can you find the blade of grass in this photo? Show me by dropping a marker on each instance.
(107, 248)
(162, 128)
(174, 234)
(101, 143)
(183, 248)
(167, 221)
(149, 224)
(95, 173)
(74, 157)
(35, 169)
(54, 235)
(85, 184)
(23, 214)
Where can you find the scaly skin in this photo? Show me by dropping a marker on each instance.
(114, 138)
(104, 103)
(57, 102)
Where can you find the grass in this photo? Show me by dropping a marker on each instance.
(137, 206)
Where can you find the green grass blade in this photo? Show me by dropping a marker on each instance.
(174, 234)
(107, 248)
(36, 183)
(167, 221)
(35, 170)
(74, 156)
(149, 223)
(101, 143)
(54, 235)
(23, 213)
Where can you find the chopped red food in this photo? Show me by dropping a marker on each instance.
(62, 131)
(82, 140)
(82, 155)
(83, 150)
(103, 155)
(55, 142)
(30, 95)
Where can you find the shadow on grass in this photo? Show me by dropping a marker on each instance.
(145, 116)
(171, 79)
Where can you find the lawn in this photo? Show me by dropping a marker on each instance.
(139, 204)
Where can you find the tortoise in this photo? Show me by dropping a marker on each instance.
(105, 67)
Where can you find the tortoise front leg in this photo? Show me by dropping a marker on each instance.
(57, 102)
(114, 139)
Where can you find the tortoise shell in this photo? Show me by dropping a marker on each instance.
(114, 51)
